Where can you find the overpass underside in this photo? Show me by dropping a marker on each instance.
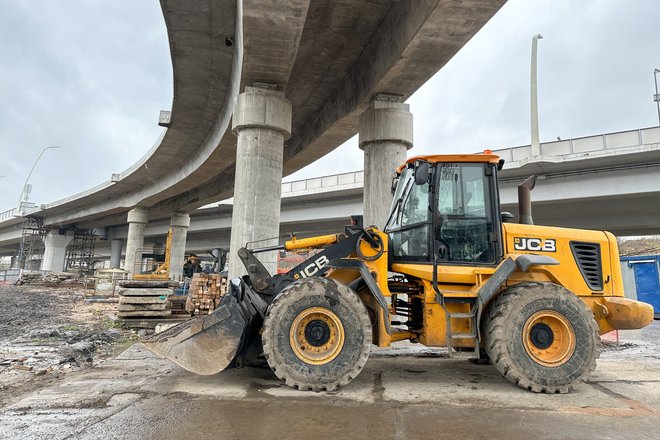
(263, 88)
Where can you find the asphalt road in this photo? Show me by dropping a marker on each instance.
(403, 393)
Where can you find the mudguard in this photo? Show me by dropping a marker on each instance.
(211, 343)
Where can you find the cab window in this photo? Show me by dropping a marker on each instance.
(464, 226)
(409, 221)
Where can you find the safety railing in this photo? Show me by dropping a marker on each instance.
(7, 214)
(587, 144)
(324, 183)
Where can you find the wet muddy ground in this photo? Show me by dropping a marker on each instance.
(407, 392)
(46, 333)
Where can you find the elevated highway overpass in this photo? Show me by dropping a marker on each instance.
(329, 59)
(609, 181)
(295, 79)
(605, 182)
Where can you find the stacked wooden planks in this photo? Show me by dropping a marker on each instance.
(143, 299)
(205, 292)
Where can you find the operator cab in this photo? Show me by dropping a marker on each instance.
(446, 209)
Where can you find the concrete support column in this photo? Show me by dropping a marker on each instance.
(55, 244)
(137, 222)
(386, 133)
(262, 122)
(179, 224)
(115, 253)
(14, 262)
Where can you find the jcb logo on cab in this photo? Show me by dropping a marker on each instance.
(535, 244)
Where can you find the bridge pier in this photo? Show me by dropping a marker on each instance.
(179, 223)
(386, 134)
(14, 262)
(262, 122)
(137, 223)
(115, 253)
(55, 245)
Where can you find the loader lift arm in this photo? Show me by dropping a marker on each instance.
(230, 336)
(339, 246)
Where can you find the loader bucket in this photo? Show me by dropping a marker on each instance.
(209, 344)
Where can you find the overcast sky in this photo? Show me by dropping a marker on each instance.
(92, 77)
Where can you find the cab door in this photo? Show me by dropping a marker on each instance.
(466, 225)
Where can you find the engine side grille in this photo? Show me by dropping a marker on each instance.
(587, 257)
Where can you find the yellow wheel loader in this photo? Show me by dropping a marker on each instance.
(448, 270)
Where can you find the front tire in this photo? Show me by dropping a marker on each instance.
(542, 337)
(317, 334)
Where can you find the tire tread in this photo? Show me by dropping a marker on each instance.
(501, 310)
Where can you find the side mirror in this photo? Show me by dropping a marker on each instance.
(395, 182)
(421, 173)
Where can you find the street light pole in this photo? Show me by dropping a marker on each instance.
(534, 110)
(24, 191)
(656, 97)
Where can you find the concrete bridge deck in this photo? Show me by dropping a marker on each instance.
(329, 58)
(609, 181)
(606, 182)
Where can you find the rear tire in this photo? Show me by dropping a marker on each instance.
(542, 337)
(317, 334)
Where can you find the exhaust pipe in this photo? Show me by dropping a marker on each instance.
(525, 201)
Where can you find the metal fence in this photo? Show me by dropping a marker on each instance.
(9, 276)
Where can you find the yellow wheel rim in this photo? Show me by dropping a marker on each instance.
(549, 338)
(316, 336)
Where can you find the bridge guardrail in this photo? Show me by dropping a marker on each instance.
(322, 183)
(7, 214)
(606, 141)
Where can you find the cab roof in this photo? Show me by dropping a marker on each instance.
(452, 158)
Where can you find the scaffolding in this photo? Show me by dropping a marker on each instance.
(31, 248)
(80, 253)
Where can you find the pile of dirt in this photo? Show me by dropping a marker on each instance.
(47, 332)
(639, 246)
(54, 279)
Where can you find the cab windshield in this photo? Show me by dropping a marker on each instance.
(409, 221)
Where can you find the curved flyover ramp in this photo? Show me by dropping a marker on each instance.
(331, 58)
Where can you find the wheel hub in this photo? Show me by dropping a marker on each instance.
(541, 335)
(316, 335)
(549, 338)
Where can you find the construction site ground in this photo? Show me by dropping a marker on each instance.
(66, 371)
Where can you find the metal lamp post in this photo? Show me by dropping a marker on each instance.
(24, 192)
(656, 97)
(534, 110)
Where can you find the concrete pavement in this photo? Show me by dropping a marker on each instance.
(405, 392)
